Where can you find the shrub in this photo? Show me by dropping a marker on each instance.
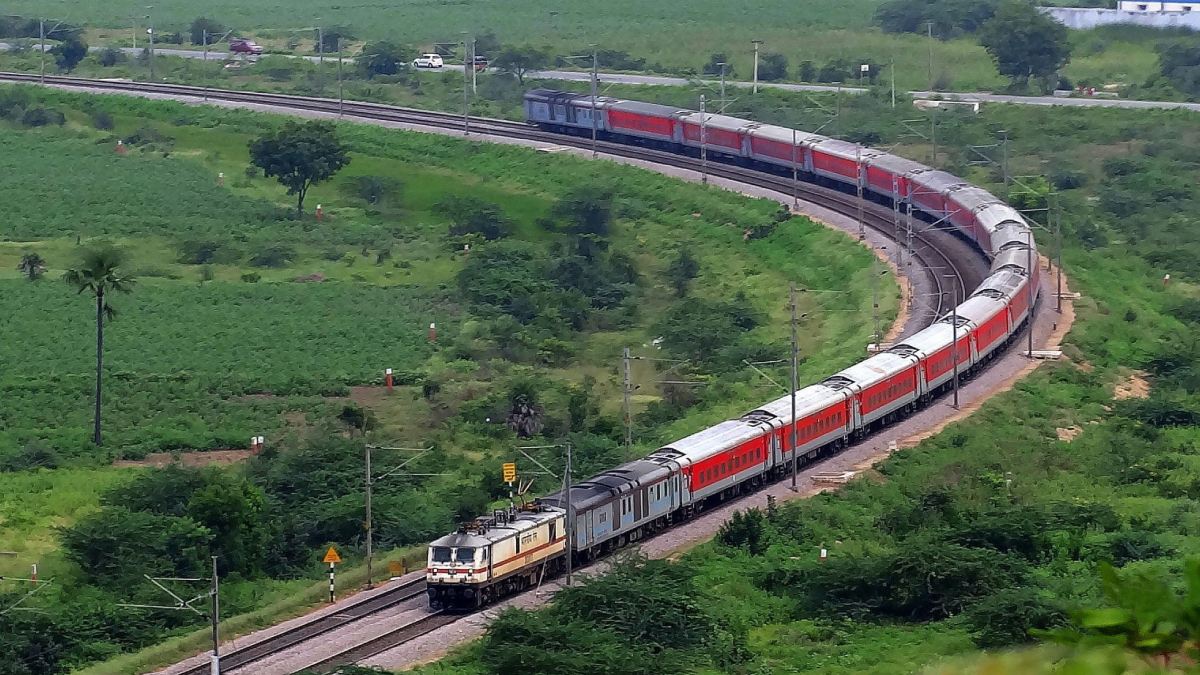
(43, 117)
(275, 255)
(1007, 618)
(102, 120)
(110, 56)
(251, 277)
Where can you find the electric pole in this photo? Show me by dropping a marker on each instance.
(703, 143)
(150, 30)
(370, 524)
(466, 88)
(756, 45)
(954, 332)
(215, 619)
(795, 383)
(570, 515)
(930, 56)
(627, 390)
(595, 112)
(1029, 266)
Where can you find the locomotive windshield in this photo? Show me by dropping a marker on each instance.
(440, 553)
(464, 555)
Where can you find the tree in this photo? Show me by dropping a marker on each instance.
(524, 414)
(382, 58)
(518, 61)
(472, 215)
(330, 38)
(1180, 63)
(99, 273)
(300, 155)
(69, 52)
(32, 266)
(1025, 43)
(201, 25)
(682, 270)
(713, 67)
(772, 67)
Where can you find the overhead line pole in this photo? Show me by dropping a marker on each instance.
(756, 45)
(703, 143)
(795, 383)
(627, 390)
(370, 524)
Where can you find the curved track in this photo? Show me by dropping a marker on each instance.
(938, 252)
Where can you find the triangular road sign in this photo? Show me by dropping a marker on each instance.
(331, 556)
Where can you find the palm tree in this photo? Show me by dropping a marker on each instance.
(99, 274)
(32, 266)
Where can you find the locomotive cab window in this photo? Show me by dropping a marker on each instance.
(464, 555)
(440, 553)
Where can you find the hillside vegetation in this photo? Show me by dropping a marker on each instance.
(246, 319)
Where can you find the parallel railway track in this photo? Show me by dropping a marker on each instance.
(938, 252)
(239, 658)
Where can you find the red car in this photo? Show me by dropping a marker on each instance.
(241, 46)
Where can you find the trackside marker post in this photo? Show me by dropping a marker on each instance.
(824, 555)
(433, 332)
(331, 557)
(387, 377)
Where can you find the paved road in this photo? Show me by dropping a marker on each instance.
(659, 80)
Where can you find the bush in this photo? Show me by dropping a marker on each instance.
(251, 277)
(43, 117)
(102, 120)
(275, 255)
(110, 56)
(746, 530)
(1006, 618)
(30, 456)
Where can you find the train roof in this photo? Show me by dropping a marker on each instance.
(896, 164)
(501, 525)
(785, 135)
(712, 440)
(845, 149)
(926, 341)
(714, 121)
(937, 181)
(980, 308)
(971, 198)
(873, 370)
(1016, 258)
(654, 109)
(1003, 282)
(997, 216)
(810, 399)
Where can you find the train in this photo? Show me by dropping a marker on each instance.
(513, 549)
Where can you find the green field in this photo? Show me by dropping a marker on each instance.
(819, 31)
(286, 321)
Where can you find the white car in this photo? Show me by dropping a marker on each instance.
(428, 61)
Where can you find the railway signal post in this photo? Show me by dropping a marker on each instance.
(331, 557)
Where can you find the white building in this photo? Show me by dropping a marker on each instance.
(1139, 12)
(1136, 6)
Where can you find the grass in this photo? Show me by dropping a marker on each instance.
(34, 503)
(819, 31)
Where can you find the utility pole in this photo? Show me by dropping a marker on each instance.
(723, 103)
(215, 618)
(178, 604)
(320, 59)
(570, 515)
(756, 45)
(370, 522)
(703, 143)
(1058, 246)
(627, 389)
(341, 91)
(893, 69)
(933, 134)
(875, 274)
(930, 56)
(1005, 164)
(954, 323)
(795, 383)
(1030, 268)
(795, 175)
(150, 30)
(42, 47)
(466, 90)
(858, 184)
(595, 112)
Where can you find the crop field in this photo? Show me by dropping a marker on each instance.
(819, 31)
(246, 319)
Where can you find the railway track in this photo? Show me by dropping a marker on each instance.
(308, 630)
(938, 252)
(389, 640)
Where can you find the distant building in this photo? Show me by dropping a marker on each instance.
(1138, 12)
